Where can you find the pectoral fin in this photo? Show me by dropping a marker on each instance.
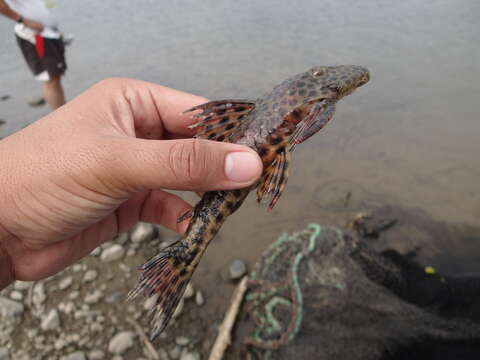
(318, 116)
(274, 179)
(221, 120)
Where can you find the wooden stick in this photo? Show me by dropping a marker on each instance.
(141, 333)
(224, 334)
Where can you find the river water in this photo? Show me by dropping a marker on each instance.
(412, 135)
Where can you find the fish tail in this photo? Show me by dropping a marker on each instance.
(165, 276)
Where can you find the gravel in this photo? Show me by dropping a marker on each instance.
(112, 253)
(142, 232)
(65, 283)
(121, 342)
(10, 308)
(199, 300)
(51, 321)
(237, 269)
(90, 276)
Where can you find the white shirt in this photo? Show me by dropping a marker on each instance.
(41, 11)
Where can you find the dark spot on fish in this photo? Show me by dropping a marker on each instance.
(232, 205)
(240, 109)
(302, 92)
(224, 120)
(221, 138)
(280, 149)
(229, 126)
(262, 152)
(276, 140)
(208, 127)
(220, 217)
(211, 136)
(312, 93)
(221, 112)
(208, 118)
(301, 84)
(183, 272)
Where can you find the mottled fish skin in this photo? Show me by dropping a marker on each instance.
(272, 125)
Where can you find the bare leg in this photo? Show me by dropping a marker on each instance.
(53, 92)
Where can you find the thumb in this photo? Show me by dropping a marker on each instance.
(187, 164)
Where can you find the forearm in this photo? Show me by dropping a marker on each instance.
(5, 10)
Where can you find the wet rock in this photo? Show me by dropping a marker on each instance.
(96, 354)
(199, 300)
(73, 295)
(142, 232)
(90, 276)
(39, 296)
(51, 321)
(112, 253)
(94, 297)
(38, 101)
(67, 308)
(22, 285)
(77, 267)
(10, 308)
(190, 355)
(65, 283)
(4, 98)
(121, 342)
(16, 295)
(189, 292)
(182, 340)
(237, 269)
(77, 355)
(4, 354)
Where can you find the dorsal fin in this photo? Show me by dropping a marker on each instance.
(221, 120)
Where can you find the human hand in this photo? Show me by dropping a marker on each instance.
(92, 169)
(32, 24)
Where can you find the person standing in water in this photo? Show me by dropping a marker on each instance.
(41, 43)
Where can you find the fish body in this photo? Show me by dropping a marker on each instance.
(272, 125)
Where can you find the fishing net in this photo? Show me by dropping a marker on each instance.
(322, 293)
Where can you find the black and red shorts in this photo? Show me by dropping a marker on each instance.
(46, 56)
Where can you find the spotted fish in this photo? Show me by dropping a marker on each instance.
(272, 125)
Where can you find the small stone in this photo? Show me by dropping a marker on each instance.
(237, 269)
(65, 283)
(193, 355)
(4, 354)
(130, 252)
(77, 267)
(96, 252)
(93, 298)
(199, 298)
(51, 321)
(96, 354)
(90, 275)
(112, 253)
(121, 342)
(175, 352)
(10, 308)
(178, 311)
(115, 297)
(73, 295)
(39, 296)
(16, 295)
(121, 238)
(182, 340)
(67, 307)
(77, 355)
(150, 302)
(22, 285)
(189, 292)
(142, 232)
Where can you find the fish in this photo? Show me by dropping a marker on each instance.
(273, 125)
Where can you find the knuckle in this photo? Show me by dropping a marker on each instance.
(187, 161)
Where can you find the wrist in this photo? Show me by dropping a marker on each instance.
(7, 273)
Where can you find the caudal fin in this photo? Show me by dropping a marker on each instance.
(165, 276)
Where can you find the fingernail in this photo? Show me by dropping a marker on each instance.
(241, 166)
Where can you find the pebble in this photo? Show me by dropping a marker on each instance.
(121, 342)
(130, 252)
(67, 307)
(199, 300)
(237, 269)
(175, 352)
(96, 251)
(189, 292)
(77, 355)
(190, 356)
(51, 321)
(142, 232)
(96, 354)
(112, 253)
(10, 308)
(73, 295)
(122, 238)
(4, 354)
(22, 285)
(150, 302)
(90, 275)
(179, 309)
(65, 283)
(77, 267)
(94, 297)
(114, 297)
(16, 295)
(39, 296)
(182, 340)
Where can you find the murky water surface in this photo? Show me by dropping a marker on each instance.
(412, 135)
